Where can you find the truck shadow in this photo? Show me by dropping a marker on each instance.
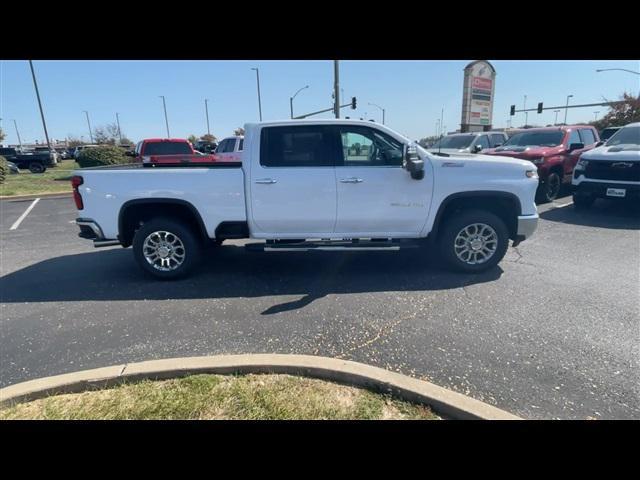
(603, 214)
(232, 272)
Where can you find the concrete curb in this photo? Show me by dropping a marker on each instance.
(40, 195)
(445, 402)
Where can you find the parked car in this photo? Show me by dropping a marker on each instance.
(55, 156)
(606, 133)
(300, 181)
(205, 147)
(63, 153)
(79, 149)
(169, 151)
(36, 162)
(230, 149)
(13, 168)
(611, 170)
(554, 150)
(471, 142)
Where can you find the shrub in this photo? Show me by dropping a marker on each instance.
(4, 169)
(103, 155)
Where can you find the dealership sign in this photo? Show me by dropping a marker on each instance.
(477, 95)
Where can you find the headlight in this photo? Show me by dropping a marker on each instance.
(582, 164)
(537, 160)
(531, 173)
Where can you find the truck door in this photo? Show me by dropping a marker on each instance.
(293, 184)
(376, 196)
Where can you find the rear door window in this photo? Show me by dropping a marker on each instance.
(496, 140)
(574, 137)
(587, 136)
(297, 146)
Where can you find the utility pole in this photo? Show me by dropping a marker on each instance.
(336, 88)
(17, 133)
(89, 124)
(556, 121)
(166, 120)
(44, 124)
(206, 109)
(119, 131)
(259, 99)
(596, 114)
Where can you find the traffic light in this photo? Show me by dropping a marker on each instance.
(513, 110)
(540, 107)
(353, 103)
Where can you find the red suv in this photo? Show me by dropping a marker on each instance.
(554, 150)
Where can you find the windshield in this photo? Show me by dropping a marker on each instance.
(542, 139)
(454, 141)
(625, 136)
(608, 133)
(167, 148)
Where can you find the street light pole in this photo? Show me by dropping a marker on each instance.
(166, 120)
(596, 114)
(380, 109)
(336, 88)
(566, 110)
(294, 96)
(17, 133)
(89, 125)
(556, 121)
(119, 131)
(259, 99)
(206, 109)
(35, 84)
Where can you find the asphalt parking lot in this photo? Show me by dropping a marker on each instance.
(553, 332)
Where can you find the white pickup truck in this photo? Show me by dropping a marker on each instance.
(313, 185)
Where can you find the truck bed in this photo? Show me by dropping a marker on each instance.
(216, 191)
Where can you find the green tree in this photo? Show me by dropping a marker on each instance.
(73, 141)
(427, 141)
(208, 138)
(620, 114)
(192, 139)
(238, 131)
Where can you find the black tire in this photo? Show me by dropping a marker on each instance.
(582, 201)
(456, 224)
(37, 167)
(191, 248)
(549, 189)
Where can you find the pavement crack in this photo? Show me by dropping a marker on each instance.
(124, 367)
(379, 334)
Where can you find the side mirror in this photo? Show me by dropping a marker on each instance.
(476, 148)
(600, 143)
(129, 153)
(497, 145)
(576, 146)
(413, 163)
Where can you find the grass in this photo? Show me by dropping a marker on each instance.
(244, 397)
(55, 179)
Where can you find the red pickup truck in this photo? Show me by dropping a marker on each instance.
(169, 151)
(554, 150)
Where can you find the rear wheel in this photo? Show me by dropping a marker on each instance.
(473, 241)
(37, 167)
(166, 249)
(549, 189)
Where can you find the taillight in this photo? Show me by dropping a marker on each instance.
(76, 181)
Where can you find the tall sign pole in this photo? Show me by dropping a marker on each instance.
(44, 124)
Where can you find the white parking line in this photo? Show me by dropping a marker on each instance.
(17, 223)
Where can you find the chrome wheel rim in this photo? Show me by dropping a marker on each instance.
(554, 187)
(476, 243)
(163, 250)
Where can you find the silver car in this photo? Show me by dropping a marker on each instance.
(470, 142)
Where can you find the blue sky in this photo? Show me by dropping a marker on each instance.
(412, 92)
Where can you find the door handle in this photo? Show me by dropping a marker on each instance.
(266, 181)
(351, 180)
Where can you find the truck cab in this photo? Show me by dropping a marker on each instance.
(230, 149)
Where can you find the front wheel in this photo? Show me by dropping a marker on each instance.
(549, 189)
(582, 201)
(166, 249)
(473, 241)
(37, 167)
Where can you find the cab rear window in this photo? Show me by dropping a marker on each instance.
(167, 148)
